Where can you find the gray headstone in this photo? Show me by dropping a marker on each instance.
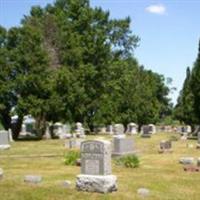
(32, 179)
(186, 160)
(80, 132)
(131, 128)
(73, 143)
(96, 168)
(96, 158)
(165, 145)
(146, 131)
(10, 135)
(109, 129)
(118, 129)
(4, 138)
(152, 128)
(122, 146)
(143, 192)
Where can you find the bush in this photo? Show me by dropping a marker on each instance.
(129, 161)
(71, 157)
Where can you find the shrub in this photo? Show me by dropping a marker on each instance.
(71, 157)
(130, 161)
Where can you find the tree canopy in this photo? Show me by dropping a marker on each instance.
(187, 109)
(71, 62)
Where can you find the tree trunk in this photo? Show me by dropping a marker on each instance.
(16, 127)
(5, 119)
(40, 125)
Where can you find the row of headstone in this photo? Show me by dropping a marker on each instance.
(121, 145)
(183, 129)
(132, 128)
(64, 131)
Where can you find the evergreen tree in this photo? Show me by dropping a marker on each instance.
(195, 86)
(184, 110)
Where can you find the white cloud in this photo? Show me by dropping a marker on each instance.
(156, 9)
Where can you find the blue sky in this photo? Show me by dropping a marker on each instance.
(169, 30)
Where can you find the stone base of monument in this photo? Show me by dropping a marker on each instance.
(96, 183)
(4, 146)
(165, 151)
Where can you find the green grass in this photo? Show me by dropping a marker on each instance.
(161, 173)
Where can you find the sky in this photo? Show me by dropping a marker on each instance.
(169, 30)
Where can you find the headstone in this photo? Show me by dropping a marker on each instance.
(188, 129)
(197, 130)
(165, 146)
(10, 135)
(152, 128)
(29, 122)
(143, 192)
(23, 129)
(96, 175)
(47, 134)
(122, 145)
(186, 160)
(4, 140)
(118, 129)
(1, 173)
(80, 132)
(131, 128)
(73, 143)
(198, 140)
(109, 129)
(32, 179)
(146, 133)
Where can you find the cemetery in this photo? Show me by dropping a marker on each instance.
(99, 100)
(35, 169)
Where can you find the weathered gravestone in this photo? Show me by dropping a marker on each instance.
(73, 143)
(79, 130)
(146, 132)
(96, 175)
(4, 140)
(122, 145)
(118, 129)
(109, 129)
(165, 146)
(34, 179)
(131, 128)
(152, 128)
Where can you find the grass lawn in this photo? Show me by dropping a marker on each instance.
(161, 173)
